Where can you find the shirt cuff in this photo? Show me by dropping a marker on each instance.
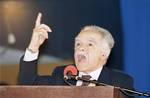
(29, 56)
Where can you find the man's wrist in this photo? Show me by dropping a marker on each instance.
(32, 51)
(30, 56)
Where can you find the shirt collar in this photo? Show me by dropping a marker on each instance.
(94, 74)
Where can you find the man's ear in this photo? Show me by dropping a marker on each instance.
(105, 53)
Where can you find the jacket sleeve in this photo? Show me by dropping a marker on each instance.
(27, 72)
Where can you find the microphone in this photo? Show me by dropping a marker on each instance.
(70, 72)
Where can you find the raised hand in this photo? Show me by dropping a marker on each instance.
(40, 33)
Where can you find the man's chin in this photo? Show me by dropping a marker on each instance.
(81, 67)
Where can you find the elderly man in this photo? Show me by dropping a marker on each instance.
(92, 48)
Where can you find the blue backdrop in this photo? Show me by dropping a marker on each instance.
(136, 28)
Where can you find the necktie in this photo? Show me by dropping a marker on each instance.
(85, 77)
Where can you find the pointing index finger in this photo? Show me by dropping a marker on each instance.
(38, 19)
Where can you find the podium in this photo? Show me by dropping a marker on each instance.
(59, 92)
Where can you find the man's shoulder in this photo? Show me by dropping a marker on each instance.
(120, 78)
(60, 69)
(119, 73)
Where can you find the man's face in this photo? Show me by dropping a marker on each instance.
(88, 52)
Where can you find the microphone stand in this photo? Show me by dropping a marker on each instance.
(124, 90)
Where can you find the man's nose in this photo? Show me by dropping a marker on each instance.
(82, 48)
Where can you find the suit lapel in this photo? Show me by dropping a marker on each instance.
(104, 76)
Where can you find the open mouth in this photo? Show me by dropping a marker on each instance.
(81, 57)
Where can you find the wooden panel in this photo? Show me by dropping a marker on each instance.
(58, 92)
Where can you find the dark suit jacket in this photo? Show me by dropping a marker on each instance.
(28, 76)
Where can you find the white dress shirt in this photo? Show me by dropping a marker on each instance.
(95, 75)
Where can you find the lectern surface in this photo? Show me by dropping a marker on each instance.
(59, 92)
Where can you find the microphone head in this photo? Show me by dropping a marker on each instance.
(70, 70)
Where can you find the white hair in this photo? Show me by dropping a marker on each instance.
(106, 35)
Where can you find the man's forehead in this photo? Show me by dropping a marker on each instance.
(91, 36)
(86, 40)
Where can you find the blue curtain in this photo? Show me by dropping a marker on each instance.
(136, 28)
